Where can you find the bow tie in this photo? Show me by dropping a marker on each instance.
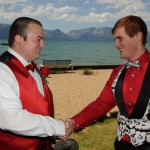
(31, 66)
(129, 64)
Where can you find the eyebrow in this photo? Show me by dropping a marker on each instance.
(41, 37)
(118, 37)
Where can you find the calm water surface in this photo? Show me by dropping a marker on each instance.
(81, 53)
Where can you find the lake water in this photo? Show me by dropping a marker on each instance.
(81, 53)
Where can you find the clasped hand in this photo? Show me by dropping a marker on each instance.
(69, 126)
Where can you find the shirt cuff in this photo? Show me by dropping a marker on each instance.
(53, 127)
(60, 128)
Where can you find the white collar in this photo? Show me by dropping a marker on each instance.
(20, 58)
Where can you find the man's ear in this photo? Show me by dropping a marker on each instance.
(139, 36)
(19, 39)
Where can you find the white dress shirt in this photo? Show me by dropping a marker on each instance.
(13, 117)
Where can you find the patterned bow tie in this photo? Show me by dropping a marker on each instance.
(129, 64)
(31, 66)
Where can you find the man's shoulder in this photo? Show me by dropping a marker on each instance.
(5, 57)
(119, 67)
(116, 70)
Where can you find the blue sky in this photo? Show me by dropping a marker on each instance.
(69, 15)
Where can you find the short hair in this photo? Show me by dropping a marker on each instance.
(133, 25)
(19, 26)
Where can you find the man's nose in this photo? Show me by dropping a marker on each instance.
(116, 44)
(42, 43)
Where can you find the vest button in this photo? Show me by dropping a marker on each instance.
(129, 104)
(148, 116)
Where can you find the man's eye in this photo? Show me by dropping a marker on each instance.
(120, 39)
(38, 39)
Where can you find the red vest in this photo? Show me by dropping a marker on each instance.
(32, 101)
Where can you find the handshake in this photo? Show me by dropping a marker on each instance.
(69, 126)
(66, 143)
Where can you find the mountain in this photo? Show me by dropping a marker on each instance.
(57, 35)
(92, 34)
(102, 34)
(4, 31)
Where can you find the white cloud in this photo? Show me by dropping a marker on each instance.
(125, 7)
(121, 4)
(86, 1)
(12, 1)
(47, 10)
(110, 11)
(66, 9)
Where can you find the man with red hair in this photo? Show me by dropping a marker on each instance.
(128, 87)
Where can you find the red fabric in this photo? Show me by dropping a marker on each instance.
(49, 98)
(133, 82)
(105, 102)
(33, 101)
(45, 70)
(31, 66)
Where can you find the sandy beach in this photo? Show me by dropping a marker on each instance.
(72, 91)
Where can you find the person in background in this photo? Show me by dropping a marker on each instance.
(26, 102)
(128, 87)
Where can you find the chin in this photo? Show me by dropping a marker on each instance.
(37, 57)
(122, 57)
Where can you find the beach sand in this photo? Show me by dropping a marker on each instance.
(73, 90)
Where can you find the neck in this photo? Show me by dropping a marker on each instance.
(139, 53)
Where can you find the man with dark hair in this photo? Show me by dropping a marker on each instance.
(128, 87)
(26, 102)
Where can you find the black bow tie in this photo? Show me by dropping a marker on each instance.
(129, 64)
(31, 66)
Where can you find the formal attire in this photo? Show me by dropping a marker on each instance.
(128, 87)
(26, 106)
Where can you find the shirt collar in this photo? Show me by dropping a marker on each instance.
(144, 58)
(20, 58)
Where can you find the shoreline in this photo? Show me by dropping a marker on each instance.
(108, 66)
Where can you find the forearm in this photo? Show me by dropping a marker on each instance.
(97, 109)
(28, 124)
